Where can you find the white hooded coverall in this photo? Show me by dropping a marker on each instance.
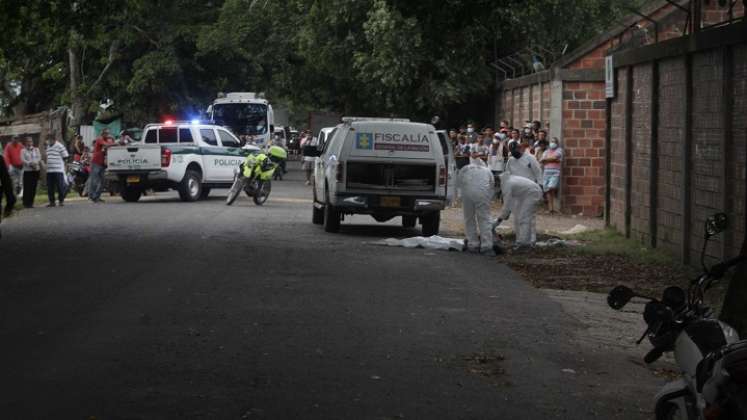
(526, 166)
(477, 186)
(521, 197)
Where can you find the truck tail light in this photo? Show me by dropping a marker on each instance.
(340, 174)
(165, 157)
(443, 175)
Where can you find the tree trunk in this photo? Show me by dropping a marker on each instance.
(77, 98)
(734, 312)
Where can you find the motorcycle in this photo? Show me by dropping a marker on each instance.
(253, 177)
(709, 353)
(77, 176)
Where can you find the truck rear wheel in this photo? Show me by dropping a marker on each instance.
(431, 223)
(131, 195)
(317, 215)
(190, 188)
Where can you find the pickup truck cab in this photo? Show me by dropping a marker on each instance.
(189, 157)
(381, 167)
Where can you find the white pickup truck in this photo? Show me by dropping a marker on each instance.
(189, 157)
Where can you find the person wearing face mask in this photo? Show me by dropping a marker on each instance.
(523, 164)
(471, 134)
(475, 182)
(552, 159)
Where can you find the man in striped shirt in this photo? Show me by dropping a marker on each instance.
(56, 155)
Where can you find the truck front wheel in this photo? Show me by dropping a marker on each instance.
(190, 188)
(431, 223)
(331, 217)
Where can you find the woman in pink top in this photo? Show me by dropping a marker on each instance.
(551, 159)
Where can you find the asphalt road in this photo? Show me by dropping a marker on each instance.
(162, 309)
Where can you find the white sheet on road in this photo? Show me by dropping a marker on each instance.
(433, 242)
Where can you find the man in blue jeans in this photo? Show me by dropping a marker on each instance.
(6, 189)
(98, 165)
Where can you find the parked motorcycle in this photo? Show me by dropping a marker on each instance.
(711, 357)
(77, 175)
(254, 176)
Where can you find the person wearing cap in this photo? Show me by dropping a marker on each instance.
(12, 155)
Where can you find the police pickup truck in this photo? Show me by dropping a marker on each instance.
(381, 167)
(189, 157)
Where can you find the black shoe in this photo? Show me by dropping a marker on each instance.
(51, 205)
(61, 205)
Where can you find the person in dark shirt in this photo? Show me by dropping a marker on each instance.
(6, 185)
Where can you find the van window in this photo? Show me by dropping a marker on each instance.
(151, 136)
(185, 135)
(227, 139)
(329, 137)
(208, 136)
(167, 135)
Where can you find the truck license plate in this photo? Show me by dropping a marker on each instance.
(133, 179)
(389, 202)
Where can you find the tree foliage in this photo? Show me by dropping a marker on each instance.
(383, 57)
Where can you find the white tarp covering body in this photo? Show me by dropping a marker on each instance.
(432, 242)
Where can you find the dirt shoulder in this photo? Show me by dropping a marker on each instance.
(593, 259)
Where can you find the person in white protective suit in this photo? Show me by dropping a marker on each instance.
(523, 164)
(520, 199)
(477, 186)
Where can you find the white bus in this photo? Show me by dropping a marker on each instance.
(245, 114)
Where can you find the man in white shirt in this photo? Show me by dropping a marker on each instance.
(56, 155)
(31, 157)
(523, 164)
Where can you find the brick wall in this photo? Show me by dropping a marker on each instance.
(736, 176)
(584, 128)
(713, 13)
(641, 143)
(671, 135)
(546, 103)
(708, 131)
(516, 115)
(525, 105)
(617, 152)
(535, 111)
(716, 160)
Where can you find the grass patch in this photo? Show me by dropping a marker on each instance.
(610, 242)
